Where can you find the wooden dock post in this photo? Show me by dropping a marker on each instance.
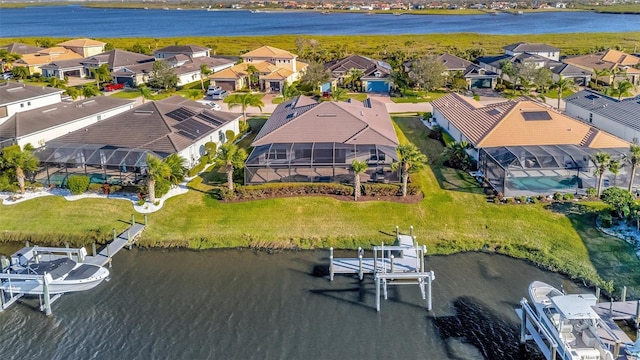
(145, 219)
(397, 231)
(47, 298)
(624, 293)
(377, 294)
(411, 231)
(391, 260)
(113, 230)
(429, 301)
(93, 247)
(523, 326)
(637, 319)
(133, 219)
(360, 273)
(330, 264)
(597, 294)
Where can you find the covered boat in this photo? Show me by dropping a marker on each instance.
(571, 320)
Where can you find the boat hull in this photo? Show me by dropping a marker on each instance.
(58, 286)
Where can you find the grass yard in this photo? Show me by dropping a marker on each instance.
(454, 216)
(411, 96)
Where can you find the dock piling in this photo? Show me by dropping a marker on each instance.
(411, 230)
(145, 219)
(429, 300)
(360, 272)
(377, 293)
(624, 293)
(391, 265)
(330, 264)
(133, 219)
(93, 248)
(47, 298)
(597, 294)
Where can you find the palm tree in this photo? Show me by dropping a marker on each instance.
(72, 91)
(245, 100)
(614, 167)
(458, 156)
(177, 167)
(602, 160)
(231, 157)
(359, 167)
(353, 76)
(251, 73)
(633, 159)
(7, 58)
(410, 160)
(156, 171)
(145, 92)
(339, 94)
(506, 68)
(623, 88)
(57, 83)
(19, 161)
(20, 72)
(289, 91)
(90, 90)
(599, 73)
(101, 74)
(204, 71)
(562, 84)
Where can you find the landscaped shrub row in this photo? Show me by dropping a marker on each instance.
(265, 191)
(78, 184)
(198, 168)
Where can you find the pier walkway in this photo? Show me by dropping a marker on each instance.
(125, 239)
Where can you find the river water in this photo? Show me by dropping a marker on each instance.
(76, 21)
(242, 304)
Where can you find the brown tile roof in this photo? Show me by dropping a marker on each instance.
(520, 122)
(48, 55)
(32, 121)
(182, 49)
(269, 52)
(82, 43)
(607, 60)
(620, 58)
(303, 119)
(154, 126)
(12, 92)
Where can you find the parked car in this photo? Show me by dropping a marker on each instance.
(219, 94)
(212, 89)
(113, 87)
(213, 105)
(6, 76)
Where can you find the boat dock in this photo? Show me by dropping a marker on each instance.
(401, 264)
(34, 253)
(531, 328)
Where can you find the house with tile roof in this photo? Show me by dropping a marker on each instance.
(618, 117)
(84, 47)
(193, 51)
(620, 65)
(34, 62)
(17, 97)
(21, 49)
(276, 67)
(309, 141)
(187, 68)
(38, 126)
(64, 68)
(522, 139)
(376, 74)
(118, 145)
(116, 60)
(544, 50)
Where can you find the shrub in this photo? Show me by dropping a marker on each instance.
(447, 139)
(95, 188)
(78, 184)
(521, 199)
(557, 196)
(230, 135)
(210, 147)
(592, 192)
(568, 197)
(196, 169)
(436, 133)
(534, 200)
(244, 127)
(205, 159)
(605, 218)
(162, 187)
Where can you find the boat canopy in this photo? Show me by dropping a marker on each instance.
(575, 307)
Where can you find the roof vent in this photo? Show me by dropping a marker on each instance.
(146, 112)
(361, 113)
(49, 110)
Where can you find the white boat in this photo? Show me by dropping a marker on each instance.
(573, 323)
(62, 275)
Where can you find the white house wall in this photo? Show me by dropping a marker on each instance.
(603, 123)
(188, 78)
(30, 104)
(40, 138)
(456, 134)
(196, 150)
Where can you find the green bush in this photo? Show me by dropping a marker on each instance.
(78, 184)
(196, 169)
(557, 196)
(606, 218)
(592, 192)
(205, 159)
(534, 200)
(568, 197)
(244, 127)
(95, 188)
(162, 187)
(230, 135)
(447, 139)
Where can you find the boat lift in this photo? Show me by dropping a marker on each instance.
(401, 264)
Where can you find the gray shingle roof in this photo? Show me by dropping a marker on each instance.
(526, 47)
(20, 48)
(182, 49)
(367, 65)
(303, 119)
(11, 92)
(32, 121)
(117, 59)
(153, 126)
(453, 62)
(625, 112)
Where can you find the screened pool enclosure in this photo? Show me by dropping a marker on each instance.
(318, 162)
(101, 163)
(544, 170)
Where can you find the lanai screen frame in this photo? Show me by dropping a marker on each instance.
(331, 161)
(497, 163)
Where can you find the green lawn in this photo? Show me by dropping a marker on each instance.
(126, 94)
(453, 216)
(411, 96)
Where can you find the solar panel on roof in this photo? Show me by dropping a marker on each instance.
(180, 114)
(210, 118)
(188, 135)
(194, 128)
(494, 111)
(536, 115)
(592, 97)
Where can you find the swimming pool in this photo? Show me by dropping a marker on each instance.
(543, 183)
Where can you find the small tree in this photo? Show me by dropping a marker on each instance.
(339, 94)
(204, 71)
(231, 157)
(457, 154)
(602, 160)
(90, 90)
(428, 73)
(177, 168)
(157, 170)
(634, 159)
(251, 75)
(315, 75)
(101, 74)
(210, 148)
(163, 76)
(18, 162)
(359, 167)
(410, 160)
(244, 101)
(562, 84)
(20, 72)
(620, 200)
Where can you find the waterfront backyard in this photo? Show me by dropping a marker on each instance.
(454, 216)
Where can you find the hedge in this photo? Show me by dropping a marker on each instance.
(78, 184)
(271, 190)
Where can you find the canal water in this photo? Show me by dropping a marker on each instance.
(243, 304)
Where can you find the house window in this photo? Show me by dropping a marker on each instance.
(99, 117)
(28, 103)
(22, 105)
(590, 117)
(277, 154)
(221, 136)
